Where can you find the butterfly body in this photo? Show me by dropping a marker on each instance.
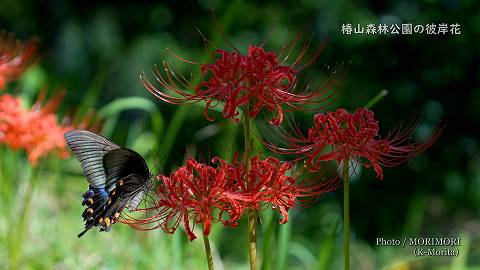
(118, 178)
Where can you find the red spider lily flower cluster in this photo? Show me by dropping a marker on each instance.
(35, 130)
(344, 136)
(198, 193)
(191, 194)
(256, 79)
(275, 183)
(15, 57)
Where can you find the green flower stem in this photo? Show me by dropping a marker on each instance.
(346, 195)
(246, 134)
(285, 231)
(19, 231)
(268, 250)
(376, 98)
(252, 234)
(252, 239)
(208, 252)
(346, 217)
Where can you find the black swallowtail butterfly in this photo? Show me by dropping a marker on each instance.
(117, 177)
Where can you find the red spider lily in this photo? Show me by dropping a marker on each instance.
(191, 195)
(35, 130)
(344, 136)
(195, 191)
(15, 57)
(275, 183)
(258, 79)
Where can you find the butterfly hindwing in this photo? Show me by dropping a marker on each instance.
(95, 200)
(125, 192)
(134, 187)
(135, 200)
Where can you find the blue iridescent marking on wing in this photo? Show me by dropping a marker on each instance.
(103, 193)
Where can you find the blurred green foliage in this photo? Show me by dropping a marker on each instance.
(96, 50)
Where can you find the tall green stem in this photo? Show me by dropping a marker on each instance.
(246, 135)
(208, 252)
(376, 98)
(346, 217)
(285, 231)
(252, 234)
(18, 232)
(346, 195)
(252, 239)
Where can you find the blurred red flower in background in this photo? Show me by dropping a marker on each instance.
(35, 130)
(15, 57)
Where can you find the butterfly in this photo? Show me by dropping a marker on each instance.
(118, 178)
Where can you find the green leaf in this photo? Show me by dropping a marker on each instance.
(112, 110)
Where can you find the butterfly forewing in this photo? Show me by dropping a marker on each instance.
(120, 163)
(89, 148)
